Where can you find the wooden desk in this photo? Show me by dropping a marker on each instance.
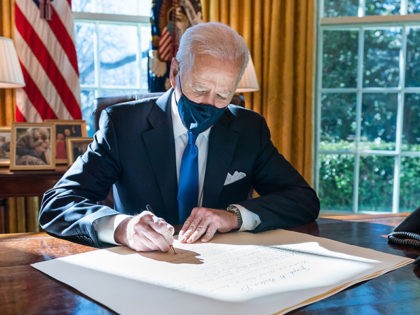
(28, 183)
(24, 290)
(20, 216)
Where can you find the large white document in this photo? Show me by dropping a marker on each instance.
(237, 273)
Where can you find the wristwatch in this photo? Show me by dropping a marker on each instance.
(237, 212)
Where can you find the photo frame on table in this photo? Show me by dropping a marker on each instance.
(32, 146)
(63, 130)
(5, 137)
(76, 146)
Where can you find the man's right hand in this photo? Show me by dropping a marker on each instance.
(145, 232)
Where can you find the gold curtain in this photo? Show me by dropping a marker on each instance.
(280, 37)
(7, 99)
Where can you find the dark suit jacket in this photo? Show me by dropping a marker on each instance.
(134, 151)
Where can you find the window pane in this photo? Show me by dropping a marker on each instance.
(145, 45)
(384, 7)
(118, 48)
(379, 121)
(130, 7)
(82, 5)
(381, 57)
(118, 55)
(116, 92)
(413, 6)
(412, 74)
(376, 183)
(88, 107)
(336, 181)
(85, 34)
(409, 184)
(338, 120)
(411, 124)
(339, 59)
(369, 103)
(340, 8)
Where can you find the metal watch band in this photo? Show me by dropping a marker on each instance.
(237, 212)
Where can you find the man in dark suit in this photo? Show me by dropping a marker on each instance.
(189, 155)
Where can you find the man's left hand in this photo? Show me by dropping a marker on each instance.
(205, 222)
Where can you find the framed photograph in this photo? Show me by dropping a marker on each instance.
(32, 146)
(76, 146)
(63, 130)
(5, 137)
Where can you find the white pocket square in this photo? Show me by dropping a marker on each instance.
(233, 178)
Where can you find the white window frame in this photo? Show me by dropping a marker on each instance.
(96, 19)
(361, 23)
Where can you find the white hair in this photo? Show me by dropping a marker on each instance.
(213, 39)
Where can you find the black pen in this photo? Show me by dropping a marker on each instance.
(166, 236)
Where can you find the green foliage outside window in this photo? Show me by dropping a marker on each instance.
(368, 107)
(375, 192)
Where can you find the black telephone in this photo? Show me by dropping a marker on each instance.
(408, 231)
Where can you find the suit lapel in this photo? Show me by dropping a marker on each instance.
(159, 142)
(222, 143)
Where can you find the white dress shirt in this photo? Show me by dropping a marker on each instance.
(106, 226)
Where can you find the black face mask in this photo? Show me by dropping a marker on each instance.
(197, 117)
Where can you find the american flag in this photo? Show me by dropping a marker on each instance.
(166, 46)
(169, 20)
(45, 45)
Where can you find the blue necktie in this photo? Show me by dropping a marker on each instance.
(188, 179)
